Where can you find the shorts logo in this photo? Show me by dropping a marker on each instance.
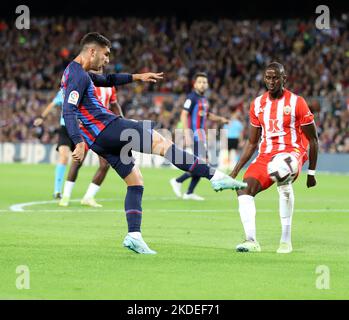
(287, 110)
(73, 97)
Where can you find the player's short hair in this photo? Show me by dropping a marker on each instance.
(94, 37)
(200, 74)
(276, 66)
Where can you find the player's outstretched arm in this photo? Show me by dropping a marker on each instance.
(216, 118)
(38, 121)
(119, 79)
(249, 148)
(148, 76)
(311, 134)
(110, 80)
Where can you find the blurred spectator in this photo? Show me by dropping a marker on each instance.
(233, 53)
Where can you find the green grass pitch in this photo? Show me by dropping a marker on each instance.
(77, 253)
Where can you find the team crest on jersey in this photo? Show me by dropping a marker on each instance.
(287, 110)
(73, 97)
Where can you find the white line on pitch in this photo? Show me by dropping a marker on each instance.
(74, 210)
(18, 207)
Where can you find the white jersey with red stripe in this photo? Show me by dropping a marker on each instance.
(106, 95)
(281, 121)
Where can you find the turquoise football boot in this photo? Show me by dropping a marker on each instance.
(227, 183)
(137, 245)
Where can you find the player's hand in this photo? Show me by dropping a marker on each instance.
(79, 152)
(311, 181)
(38, 122)
(148, 76)
(225, 120)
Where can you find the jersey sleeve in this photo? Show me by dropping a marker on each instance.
(110, 80)
(75, 89)
(253, 118)
(189, 104)
(113, 98)
(58, 99)
(303, 113)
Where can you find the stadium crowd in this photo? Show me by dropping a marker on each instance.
(233, 53)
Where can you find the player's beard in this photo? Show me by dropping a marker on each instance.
(96, 64)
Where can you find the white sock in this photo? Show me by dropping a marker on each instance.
(247, 211)
(218, 175)
(68, 188)
(135, 235)
(286, 204)
(91, 191)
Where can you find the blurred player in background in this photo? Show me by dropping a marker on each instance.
(285, 124)
(235, 129)
(193, 119)
(107, 96)
(64, 145)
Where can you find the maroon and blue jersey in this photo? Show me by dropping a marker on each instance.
(81, 102)
(197, 107)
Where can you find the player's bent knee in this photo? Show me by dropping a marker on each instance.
(253, 187)
(63, 159)
(135, 178)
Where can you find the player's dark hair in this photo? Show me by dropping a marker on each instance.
(200, 74)
(275, 66)
(94, 37)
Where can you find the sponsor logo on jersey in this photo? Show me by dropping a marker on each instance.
(274, 128)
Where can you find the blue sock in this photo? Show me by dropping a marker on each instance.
(59, 177)
(183, 177)
(193, 183)
(189, 162)
(133, 208)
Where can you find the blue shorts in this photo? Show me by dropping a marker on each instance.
(119, 138)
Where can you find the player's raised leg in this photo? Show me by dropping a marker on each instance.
(286, 205)
(247, 210)
(133, 209)
(192, 164)
(94, 186)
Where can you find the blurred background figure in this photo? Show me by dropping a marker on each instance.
(235, 130)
